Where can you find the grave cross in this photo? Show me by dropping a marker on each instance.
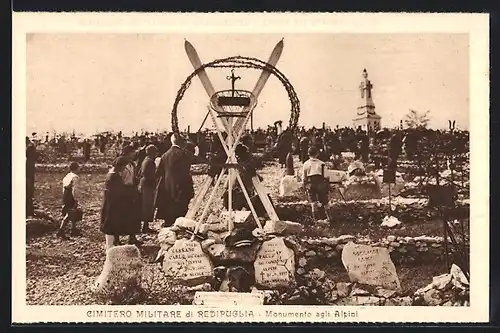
(369, 87)
(233, 79)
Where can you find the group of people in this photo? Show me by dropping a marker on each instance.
(136, 191)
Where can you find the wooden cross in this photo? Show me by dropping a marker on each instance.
(233, 79)
(369, 87)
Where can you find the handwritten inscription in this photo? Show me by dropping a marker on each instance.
(228, 298)
(186, 260)
(370, 265)
(275, 264)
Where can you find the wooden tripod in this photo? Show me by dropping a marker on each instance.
(231, 168)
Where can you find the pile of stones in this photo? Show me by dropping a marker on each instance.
(312, 253)
(450, 289)
(407, 210)
(245, 258)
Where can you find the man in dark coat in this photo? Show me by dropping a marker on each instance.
(175, 184)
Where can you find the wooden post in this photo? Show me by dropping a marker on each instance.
(230, 171)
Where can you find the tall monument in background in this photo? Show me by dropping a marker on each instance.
(366, 118)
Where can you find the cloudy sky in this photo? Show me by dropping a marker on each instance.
(95, 82)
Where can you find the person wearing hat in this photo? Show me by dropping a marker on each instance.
(147, 186)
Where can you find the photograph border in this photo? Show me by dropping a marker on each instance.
(476, 25)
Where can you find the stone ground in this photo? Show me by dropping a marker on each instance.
(61, 272)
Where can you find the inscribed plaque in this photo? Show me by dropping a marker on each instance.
(123, 267)
(228, 298)
(370, 265)
(275, 264)
(186, 261)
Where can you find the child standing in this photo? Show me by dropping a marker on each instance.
(70, 210)
(315, 183)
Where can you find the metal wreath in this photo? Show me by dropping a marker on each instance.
(241, 62)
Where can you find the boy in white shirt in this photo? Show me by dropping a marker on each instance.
(315, 183)
(70, 204)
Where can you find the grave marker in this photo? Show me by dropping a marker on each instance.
(370, 265)
(186, 261)
(275, 264)
(228, 298)
(122, 268)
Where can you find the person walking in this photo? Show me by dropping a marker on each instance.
(70, 210)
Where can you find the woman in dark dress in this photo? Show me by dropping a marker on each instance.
(114, 210)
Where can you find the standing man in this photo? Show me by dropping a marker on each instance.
(147, 186)
(175, 187)
(30, 176)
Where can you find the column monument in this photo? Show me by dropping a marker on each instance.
(366, 117)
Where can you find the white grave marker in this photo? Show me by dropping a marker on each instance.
(123, 267)
(228, 298)
(275, 264)
(370, 265)
(186, 261)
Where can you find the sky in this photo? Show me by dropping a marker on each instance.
(128, 82)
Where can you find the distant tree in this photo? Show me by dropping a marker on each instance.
(417, 120)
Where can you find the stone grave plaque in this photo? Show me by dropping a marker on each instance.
(123, 267)
(228, 298)
(370, 265)
(186, 261)
(275, 264)
(362, 188)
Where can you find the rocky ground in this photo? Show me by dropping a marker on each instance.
(61, 272)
